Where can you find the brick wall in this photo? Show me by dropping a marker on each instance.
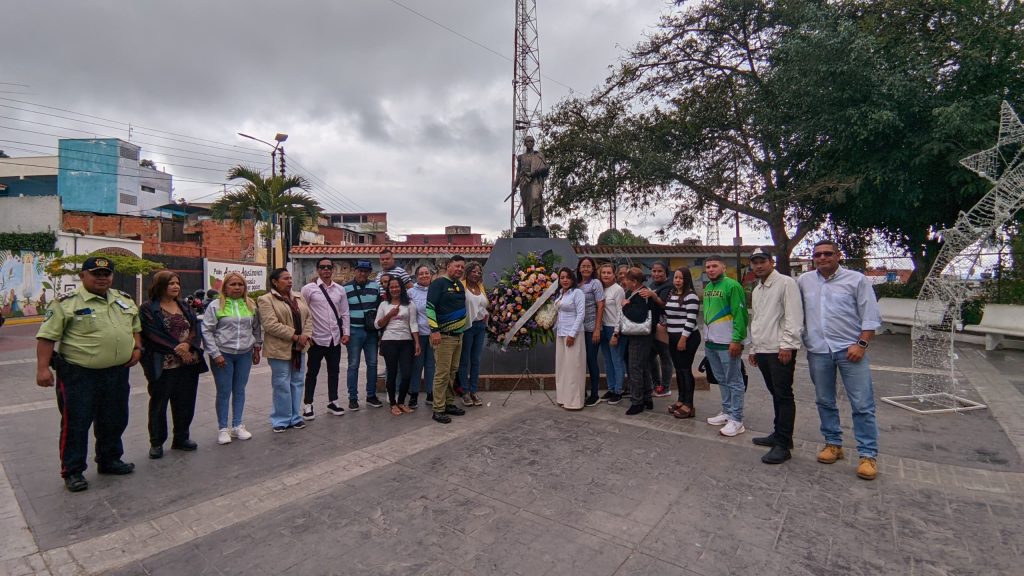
(217, 240)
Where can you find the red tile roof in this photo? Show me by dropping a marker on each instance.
(441, 249)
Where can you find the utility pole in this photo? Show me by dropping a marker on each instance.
(526, 95)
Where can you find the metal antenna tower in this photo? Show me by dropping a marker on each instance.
(526, 98)
(711, 221)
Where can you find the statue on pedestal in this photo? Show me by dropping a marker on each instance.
(531, 169)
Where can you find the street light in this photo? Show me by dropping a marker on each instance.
(279, 138)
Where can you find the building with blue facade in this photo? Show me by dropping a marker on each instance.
(100, 175)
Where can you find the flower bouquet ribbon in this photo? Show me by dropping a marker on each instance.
(541, 300)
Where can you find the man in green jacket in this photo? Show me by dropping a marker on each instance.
(725, 321)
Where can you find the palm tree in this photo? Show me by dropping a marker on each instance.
(266, 200)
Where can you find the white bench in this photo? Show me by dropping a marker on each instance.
(999, 321)
(900, 312)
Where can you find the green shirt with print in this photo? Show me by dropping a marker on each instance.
(93, 331)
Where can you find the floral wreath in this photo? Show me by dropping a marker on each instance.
(515, 292)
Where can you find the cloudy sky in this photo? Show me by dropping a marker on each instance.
(385, 110)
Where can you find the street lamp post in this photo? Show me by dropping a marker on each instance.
(279, 138)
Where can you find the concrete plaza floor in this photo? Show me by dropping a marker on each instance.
(525, 489)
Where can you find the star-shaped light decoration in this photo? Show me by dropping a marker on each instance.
(1005, 156)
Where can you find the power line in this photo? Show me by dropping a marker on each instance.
(8, 161)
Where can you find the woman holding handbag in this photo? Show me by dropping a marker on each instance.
(399, 341)
(172, 360)
(637, 310)
(287, 329)
(570, 355)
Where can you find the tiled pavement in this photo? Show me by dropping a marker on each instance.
(527, 489)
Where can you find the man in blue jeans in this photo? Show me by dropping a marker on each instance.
(363, 299)
(840, 319)
(725, 333)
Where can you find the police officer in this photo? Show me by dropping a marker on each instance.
(99, 333)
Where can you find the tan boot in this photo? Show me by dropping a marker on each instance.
(830, 453)
(867, 469)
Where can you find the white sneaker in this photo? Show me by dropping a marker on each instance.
(718, 420)
(241, 433)
(223, 437)
(732, 428)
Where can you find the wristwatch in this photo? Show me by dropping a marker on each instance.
(862, 343)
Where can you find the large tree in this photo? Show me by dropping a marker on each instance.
(267, 200)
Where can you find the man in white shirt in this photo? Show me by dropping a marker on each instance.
(776, 321)
(840, 319)
(328, 307)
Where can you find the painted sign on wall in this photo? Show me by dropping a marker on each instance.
(214, 271)
(25, 289)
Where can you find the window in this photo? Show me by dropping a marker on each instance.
(149, 189)
(129, 199)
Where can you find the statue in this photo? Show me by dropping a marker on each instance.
(531, 169)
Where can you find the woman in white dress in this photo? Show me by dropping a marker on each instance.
(570, 354)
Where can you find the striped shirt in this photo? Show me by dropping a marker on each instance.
(362, 303)
(396, 272)
(681, 313)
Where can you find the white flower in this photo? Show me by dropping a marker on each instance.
(546, 315)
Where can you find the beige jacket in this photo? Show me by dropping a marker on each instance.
(276, 320)
(776, 316)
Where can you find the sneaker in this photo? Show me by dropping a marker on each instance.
(374, 401)
(454, 410)
(467, 400)
(719, 419)
(476, 399)
(661, 392)
(777, 455)
(353, 405)
(830, 453)
(614, 398)
(867, 469)
(299, 425)
(442, 418)
(413, 402)
(76, 483)
(648, 404)
(607, 395)
(635, 409)
(430, 399)
(592, 401)
(732, 428)
(240, 432)
(279, 429)
(307, 412)
(223, 436)
(333, 408)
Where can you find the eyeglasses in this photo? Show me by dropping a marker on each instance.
(328, 267)
(101, 273)
(824, 254)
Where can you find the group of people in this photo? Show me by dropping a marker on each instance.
(430, 331)
(645, 330)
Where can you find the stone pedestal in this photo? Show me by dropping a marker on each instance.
(531, 232)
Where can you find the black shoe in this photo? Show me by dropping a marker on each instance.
(299, 425)
(614, 398)
(777, 455)
(768, 440)
(373, 401)
(607, 395)
(116, 468)
(592, 401)
(279, 429)
(186, 445)
(442, 418)
(156, 452)
(454, 410)
(333, 408)
(430, 399)
(649, 404)
(76, 483)
(635, 409)
(353, 405)
(413, 401)
(307, 412)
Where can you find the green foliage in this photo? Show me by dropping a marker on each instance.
(624, 237)
(896, 290)
(123, 265)
(34, 241)
(254, 294)
(971, 312)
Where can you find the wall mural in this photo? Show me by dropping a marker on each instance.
(25, 288)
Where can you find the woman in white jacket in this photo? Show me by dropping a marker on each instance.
(399, 341)
(570, 354)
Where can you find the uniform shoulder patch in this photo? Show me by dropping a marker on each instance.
(64, 297)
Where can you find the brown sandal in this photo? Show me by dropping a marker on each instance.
(685, 411)
(675, 407)
(405, 409)
(396, 411)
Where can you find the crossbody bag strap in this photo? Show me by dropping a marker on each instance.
(329, 301)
